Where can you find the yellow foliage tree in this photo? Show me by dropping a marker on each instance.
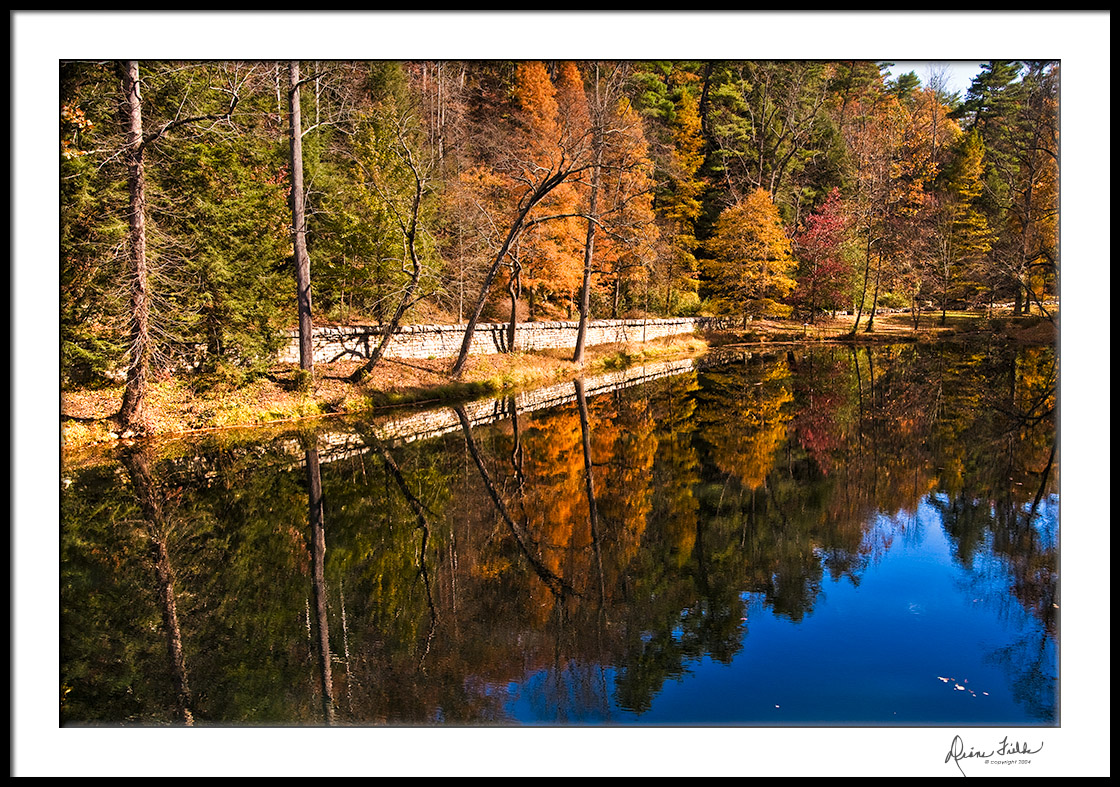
(753, 424)
(752, 260)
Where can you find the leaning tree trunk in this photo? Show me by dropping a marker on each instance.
(875, 296)
(408, 231)
(299, 223)
(140, 348)
(530, 201)
(866, 275)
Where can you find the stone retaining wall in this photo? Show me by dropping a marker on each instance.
(395, 430)
(338, 343)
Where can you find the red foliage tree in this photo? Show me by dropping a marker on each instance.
(824, 278)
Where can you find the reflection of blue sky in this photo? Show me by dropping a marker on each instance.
(920, 640)
(959, 72)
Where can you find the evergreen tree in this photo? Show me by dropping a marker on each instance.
(963, 237)
(680, 204)
(92, 207)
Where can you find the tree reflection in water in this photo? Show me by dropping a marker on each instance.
(567, 565)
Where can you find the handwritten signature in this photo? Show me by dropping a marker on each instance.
(1006, 748)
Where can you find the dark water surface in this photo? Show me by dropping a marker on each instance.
(839, 536)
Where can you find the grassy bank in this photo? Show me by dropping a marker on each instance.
(898, 326)
(183, 405)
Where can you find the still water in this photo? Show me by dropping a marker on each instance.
(837, 536)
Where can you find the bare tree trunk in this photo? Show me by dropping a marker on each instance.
(299, 223)
(589, 251)
(131, 415)
(514, 290)
(668, 286)
(866, 275)
(604, 94)
(140, 348)
(875, 296)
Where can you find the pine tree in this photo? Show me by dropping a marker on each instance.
(964, 237)
(92, 207)
(680, 204)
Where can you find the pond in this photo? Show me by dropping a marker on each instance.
(827, 537)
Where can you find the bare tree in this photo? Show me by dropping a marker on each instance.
(408, 222)
(131, 415)
(537, 191)
(598, 109)
(606, 131)
(299, 220)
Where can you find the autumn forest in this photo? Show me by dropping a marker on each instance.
(198, 197)
(832, 500)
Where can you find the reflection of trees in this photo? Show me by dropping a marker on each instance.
(1032, 674)
(156, 526)
(418, 511)
(775, 511)
(551, 579)
(121, 647)
(745, 416)
(1002, 410)
(587, 553)
(683, 602)
(317, 543)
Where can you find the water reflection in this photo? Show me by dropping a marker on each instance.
(586, 562)
(156, 526)
(317, 547)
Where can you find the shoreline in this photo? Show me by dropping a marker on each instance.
(181, 407)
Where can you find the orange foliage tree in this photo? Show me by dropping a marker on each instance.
(547, 258)
(619, 203)
(629, 230)
(892, 154)
(534, 156)
(752, 260)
